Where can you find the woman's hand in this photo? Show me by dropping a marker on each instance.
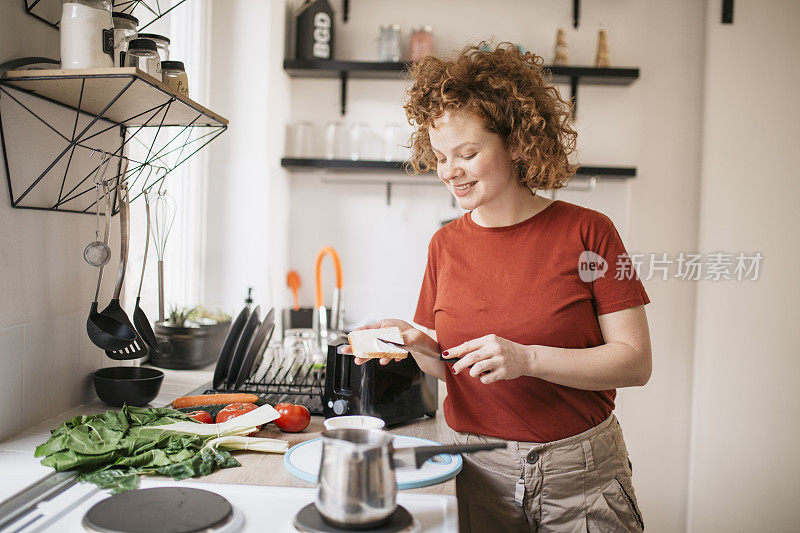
(491, 358)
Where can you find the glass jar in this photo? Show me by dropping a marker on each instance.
(162, 44)
(143, 54)
(124, 31)
(87, 34)
(389, 43)
(173, 74)
(421, 42)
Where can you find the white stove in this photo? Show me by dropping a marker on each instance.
(256, 508)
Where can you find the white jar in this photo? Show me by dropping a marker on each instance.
(87, 34)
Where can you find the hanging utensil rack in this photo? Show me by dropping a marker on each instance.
(147, 11)
(95, 110)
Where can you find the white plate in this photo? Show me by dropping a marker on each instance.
(303, 460)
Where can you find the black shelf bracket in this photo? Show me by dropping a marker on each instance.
(343, 75)
(576, 13)
(727, 11)
(345, 10)
(49, 11)
(573, 95)
(166, 147)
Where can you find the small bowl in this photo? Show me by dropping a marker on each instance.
(354, 422)
(131, 385)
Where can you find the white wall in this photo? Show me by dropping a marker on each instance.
(653, 124)
(45, 286)
(247, 189)
(744, 468)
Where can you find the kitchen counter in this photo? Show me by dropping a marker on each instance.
(268, 469)
(21, 469)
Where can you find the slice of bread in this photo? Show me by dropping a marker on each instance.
(365, 343)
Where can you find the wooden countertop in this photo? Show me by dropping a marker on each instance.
(267, 468)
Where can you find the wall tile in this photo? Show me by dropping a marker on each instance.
(11, 351)
(37, 371)
(67, 375)
(90, 359)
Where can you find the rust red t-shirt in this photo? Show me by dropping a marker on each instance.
(523, 283)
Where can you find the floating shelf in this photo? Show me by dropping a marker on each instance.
(382, 177)
(349, 165)
(105, 110)
(376, 70)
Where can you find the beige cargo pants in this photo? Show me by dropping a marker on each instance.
(578, 484)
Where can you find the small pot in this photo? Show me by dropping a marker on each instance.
(357, 484)
(182, 348)
(131, 385)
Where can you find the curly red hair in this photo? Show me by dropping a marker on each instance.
(510, 91)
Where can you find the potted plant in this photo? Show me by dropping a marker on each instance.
(190, 338)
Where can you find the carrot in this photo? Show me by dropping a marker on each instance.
(213, 399)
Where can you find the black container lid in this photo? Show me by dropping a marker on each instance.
(126, 16)
(154, 36)
(142, 44)
(174, 65)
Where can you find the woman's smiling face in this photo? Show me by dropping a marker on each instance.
(473, 162)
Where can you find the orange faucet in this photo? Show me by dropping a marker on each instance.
(336, 309)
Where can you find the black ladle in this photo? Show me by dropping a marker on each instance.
(135, 349)
(140, 319)
(104, 331)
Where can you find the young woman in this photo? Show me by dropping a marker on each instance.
(524, 297)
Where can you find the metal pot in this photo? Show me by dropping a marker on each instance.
(357, 485)
(184, 348)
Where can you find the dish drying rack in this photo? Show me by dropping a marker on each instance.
(273, 384)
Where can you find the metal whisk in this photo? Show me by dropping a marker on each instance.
(164, 209)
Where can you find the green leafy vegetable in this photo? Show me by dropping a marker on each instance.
(112, 449)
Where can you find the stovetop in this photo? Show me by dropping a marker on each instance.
(264, 508)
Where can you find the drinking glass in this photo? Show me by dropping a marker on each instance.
(336, 141)
(300, 139)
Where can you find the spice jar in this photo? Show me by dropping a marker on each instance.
(124, 30)
(87, 34)
(421, 42)
(143, 54)
(162, 44)
(389, 43)
(173, 74)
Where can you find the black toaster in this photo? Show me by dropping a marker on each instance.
(398, 392)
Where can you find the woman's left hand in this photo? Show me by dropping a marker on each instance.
(491, 358)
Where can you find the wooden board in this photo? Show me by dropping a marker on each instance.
(134, 107)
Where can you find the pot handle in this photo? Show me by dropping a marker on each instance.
(417, 455)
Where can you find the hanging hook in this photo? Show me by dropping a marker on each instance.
(161, 189)
(103, 161)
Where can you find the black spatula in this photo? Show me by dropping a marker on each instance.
(140, 320)
(136, 349)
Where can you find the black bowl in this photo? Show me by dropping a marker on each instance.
(132, 385)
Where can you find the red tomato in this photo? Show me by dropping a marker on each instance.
(201, 416)
(233, 410)
(293, 418)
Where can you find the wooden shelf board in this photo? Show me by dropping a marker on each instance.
(304, 68)
(101, 86)
(348, 165)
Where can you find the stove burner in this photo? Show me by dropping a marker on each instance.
(161, 510)
(309, 520)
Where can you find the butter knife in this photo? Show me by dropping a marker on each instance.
(416, 350)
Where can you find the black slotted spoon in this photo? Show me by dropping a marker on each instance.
(140, 320)
(136, 349)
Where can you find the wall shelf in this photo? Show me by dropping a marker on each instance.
(376, 70)
(350, 165)
(107, 110)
